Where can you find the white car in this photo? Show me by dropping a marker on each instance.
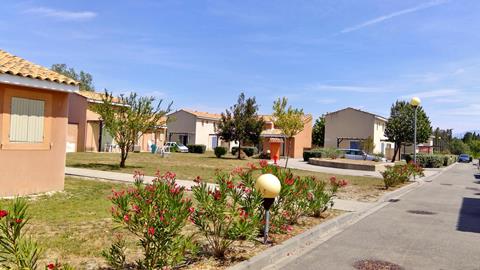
(173, 145)
(360, 155)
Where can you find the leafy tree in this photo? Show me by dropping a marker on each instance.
(475, 148)
(368, 145)
(400, 129)
(468, 137)
(289, 120)
(241, 123)
(126, 118)
(458, 147)
(318, 132)
(85, 79)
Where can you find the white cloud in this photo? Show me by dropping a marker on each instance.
(434, 93)
(62, 14)
(346, 88)
(393, 15)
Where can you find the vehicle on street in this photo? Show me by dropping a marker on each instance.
(358, 154)
(174, 145)
(464, 158)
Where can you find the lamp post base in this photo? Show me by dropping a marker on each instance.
(267, 203)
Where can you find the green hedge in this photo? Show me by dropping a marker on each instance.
(430, 160)
(220, 151)
(449, 160)
(248, 150)
(197, 148)
(311, 154)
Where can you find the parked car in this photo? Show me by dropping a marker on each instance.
(359, 155)
(464, 158)
(173, 145)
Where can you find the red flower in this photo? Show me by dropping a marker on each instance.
(342, 183)
(333, 180)
(263, 163)
(3, 213)
(197, 180)
(151, 231)
(136, 208)
(237, 170)
(191, 209)
(217, 195)
(51, 266)
(18, 220)
(230, 185)
(126, 218)
(252, 166)
(289, 181)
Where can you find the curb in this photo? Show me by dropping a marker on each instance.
(274, 257)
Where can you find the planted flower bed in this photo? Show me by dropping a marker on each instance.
(175, 228)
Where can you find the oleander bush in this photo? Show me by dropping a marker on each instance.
(399, 174)
(248, 150)
(197, 148)
(155, 213)
(220, 151)
(329, 152)
(430, 160)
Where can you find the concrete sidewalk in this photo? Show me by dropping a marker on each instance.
(345, 205)
(435, 226)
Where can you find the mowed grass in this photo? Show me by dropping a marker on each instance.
(187, 166)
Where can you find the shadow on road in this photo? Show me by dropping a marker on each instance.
(469, 218)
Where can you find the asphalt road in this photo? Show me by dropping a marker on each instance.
(436, 226)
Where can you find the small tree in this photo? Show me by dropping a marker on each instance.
(126, 118)
(85, 79)
(318, 132)
(368, 145)
(399, 128)
(458, 147)
(289, 120)
(241, 123)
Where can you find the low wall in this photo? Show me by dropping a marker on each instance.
(345, 165)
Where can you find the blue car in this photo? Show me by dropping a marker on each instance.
(464, 158)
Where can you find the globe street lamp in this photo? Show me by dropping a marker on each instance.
(415, 102)
(269, 187)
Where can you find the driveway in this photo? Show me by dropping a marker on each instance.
(436, 226)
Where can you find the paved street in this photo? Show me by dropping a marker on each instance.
(436, 226)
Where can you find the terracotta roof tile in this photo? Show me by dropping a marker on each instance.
(14, 65)
(204, 114)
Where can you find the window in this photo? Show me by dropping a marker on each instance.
(27, 120)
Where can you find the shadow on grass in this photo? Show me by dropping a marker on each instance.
(469, 218)
(103, 166)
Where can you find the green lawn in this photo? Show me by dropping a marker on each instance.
(187, 166)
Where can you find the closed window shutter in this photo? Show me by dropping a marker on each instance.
(27, 120)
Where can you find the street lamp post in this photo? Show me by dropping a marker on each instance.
(415, 102)
(269, 187)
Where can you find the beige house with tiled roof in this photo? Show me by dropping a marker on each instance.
(33, 126)
(349, 127)
(86, 131)
(194, 127)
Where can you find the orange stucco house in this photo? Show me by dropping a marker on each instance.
(33, 126)
(87, 133)
(301, 141)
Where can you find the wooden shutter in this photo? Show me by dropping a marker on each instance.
(27, 120)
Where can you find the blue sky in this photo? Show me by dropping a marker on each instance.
(322, 55)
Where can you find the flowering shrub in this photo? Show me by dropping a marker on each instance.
(318, 197)
(156, 214)
(299, 196)
(17, 251)
(227, 212)
(399, 174)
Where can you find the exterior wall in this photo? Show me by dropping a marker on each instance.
(205, 130)
(77, 115)
(302, 140)
(181, 123)
(157, 137)
(33, 168)
(347, 123)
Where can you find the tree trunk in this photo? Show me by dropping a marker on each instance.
(287, 143)
(396, 151)
(239, 154)
(123, 157)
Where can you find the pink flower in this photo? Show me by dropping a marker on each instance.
(136, 208)
(237, 170)
(151, 231)
(289, 181)
(126, 218)
(3, 213)
(191, 210)
(263, 163)
(248, 191)
(18, 220)
(197, 180)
